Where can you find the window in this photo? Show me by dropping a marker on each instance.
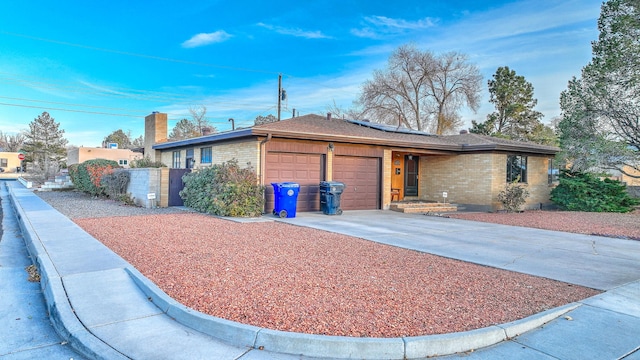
(516, 168)
(123, 162)
(190, 160)
(554, 171)
(205, 155)
(3, 162)
(176, 160)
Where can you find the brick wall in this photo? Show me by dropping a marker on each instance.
(386, 178)
(475, 180)
(246, 152)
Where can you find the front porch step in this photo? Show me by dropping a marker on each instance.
(58, 183)
(423, 207)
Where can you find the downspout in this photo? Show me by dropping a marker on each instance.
(263, 159)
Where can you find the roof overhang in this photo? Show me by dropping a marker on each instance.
(228, 135)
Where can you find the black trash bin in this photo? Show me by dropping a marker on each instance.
(285, 197)
(330, 192)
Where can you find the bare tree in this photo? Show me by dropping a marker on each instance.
(11, 143)
(199, 118)
(342, 112)
(422, 91)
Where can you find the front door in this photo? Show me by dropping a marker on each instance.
(410, 175)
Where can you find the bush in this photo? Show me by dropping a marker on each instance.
(513, 196)
(579, 191)
(146, 163)
(87, 176)
(115, 183)
(225, 190)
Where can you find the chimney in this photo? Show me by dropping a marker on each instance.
(328, 116)
(206, 131)
(155, 131)
(462, 132)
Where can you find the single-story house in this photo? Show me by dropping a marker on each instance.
(379, 164)
(10, 161)
(82, 154)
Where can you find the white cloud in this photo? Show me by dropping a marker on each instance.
(203, 39)
(295, 32)
(390, 23)
(377, 26)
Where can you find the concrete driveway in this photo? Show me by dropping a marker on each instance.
(593, 261)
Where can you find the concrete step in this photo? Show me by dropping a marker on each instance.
(423, 207)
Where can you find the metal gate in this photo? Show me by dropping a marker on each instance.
(175, 185)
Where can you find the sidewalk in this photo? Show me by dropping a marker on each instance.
(26, 329)
(107, 310)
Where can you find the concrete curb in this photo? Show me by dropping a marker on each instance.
(70, 328)
(62, 315)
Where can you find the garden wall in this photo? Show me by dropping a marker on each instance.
(144, 181)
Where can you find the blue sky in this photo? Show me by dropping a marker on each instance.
(97, 67)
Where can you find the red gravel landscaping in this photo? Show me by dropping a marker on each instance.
(290, 278)
(605, 224)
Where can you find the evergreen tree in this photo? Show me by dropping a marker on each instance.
(515, 117)
(45, 145)
(600, 126)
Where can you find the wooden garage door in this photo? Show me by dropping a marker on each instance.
(361, 175)
(305, 169)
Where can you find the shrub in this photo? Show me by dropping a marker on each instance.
(578, 191)
(87, 176)
(115, 183)
(225, 190)
(513, 196)
(146, 163)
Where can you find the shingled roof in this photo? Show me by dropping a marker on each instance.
(316, 127)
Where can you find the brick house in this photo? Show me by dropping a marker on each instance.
(379, 164)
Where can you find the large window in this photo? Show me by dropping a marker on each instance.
(516, 168)
(205, 155)
(176, 160)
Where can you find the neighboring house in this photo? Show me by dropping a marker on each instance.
(82, 154)
(629, 180)
(378, 163)
(9, 162)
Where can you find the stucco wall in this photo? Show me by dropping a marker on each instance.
(82, 154)
(12, 161)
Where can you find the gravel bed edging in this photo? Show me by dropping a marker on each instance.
(61, 313)
(341, 347)
(338, 346)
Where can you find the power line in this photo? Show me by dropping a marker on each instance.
(70, 110)
(120, 52)
(68, 104)
(117, 92)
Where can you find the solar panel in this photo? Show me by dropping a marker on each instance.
(389, 128)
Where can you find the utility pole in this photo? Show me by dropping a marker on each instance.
(279, 94)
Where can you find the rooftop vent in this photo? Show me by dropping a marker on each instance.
(462, 132)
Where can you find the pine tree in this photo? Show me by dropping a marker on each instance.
(45, 145)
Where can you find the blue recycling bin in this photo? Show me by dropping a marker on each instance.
(285, 198)
(330, 193)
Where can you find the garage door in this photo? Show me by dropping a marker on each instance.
(361, 176)
(305, 169)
